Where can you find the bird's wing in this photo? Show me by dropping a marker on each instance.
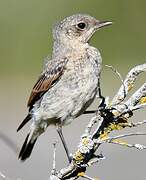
(51, 75)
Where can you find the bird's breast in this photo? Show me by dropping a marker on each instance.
(81, 81)
(83, 68)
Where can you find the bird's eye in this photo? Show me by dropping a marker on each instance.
(81, 26)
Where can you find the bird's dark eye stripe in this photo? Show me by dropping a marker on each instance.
(81, 25)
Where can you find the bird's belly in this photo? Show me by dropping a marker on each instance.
(66, 101)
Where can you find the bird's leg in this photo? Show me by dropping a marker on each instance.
(59, 130)
(102, 104)
(89, 112)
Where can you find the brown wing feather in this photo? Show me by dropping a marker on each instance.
(46, 81)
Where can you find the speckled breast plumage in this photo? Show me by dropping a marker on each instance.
(74, 92)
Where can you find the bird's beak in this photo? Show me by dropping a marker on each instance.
(100, 24)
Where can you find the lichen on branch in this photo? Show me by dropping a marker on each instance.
(110, 116)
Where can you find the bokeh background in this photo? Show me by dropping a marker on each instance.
(25, 40)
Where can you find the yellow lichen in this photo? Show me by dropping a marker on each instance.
(116, 126)
(143, 100)
(130, 86)
(78, 156)
(115, 113)
(119, 141)
(96, 178)
(85, 141)
(81, 174)
(104, 136)
(112, 127)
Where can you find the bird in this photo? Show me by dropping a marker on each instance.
(69, 81)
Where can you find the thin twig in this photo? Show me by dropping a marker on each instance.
(121, 79)
(54, 159)
(109, 139)
(136, 124)
(137, 146)
(90, 125)
(140, 106)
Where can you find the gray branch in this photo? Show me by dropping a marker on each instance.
(109, 117)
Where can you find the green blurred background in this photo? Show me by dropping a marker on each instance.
(26, 39)
(25, 31)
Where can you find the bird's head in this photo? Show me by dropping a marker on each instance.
(79, 27)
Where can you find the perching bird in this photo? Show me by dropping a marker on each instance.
(69, 81)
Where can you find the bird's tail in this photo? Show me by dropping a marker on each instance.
(27, 118)
(27, 147)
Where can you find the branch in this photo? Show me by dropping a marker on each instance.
(128, 83)
(125, 144)
(138, 96)
(110, 139)
(108, 117)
